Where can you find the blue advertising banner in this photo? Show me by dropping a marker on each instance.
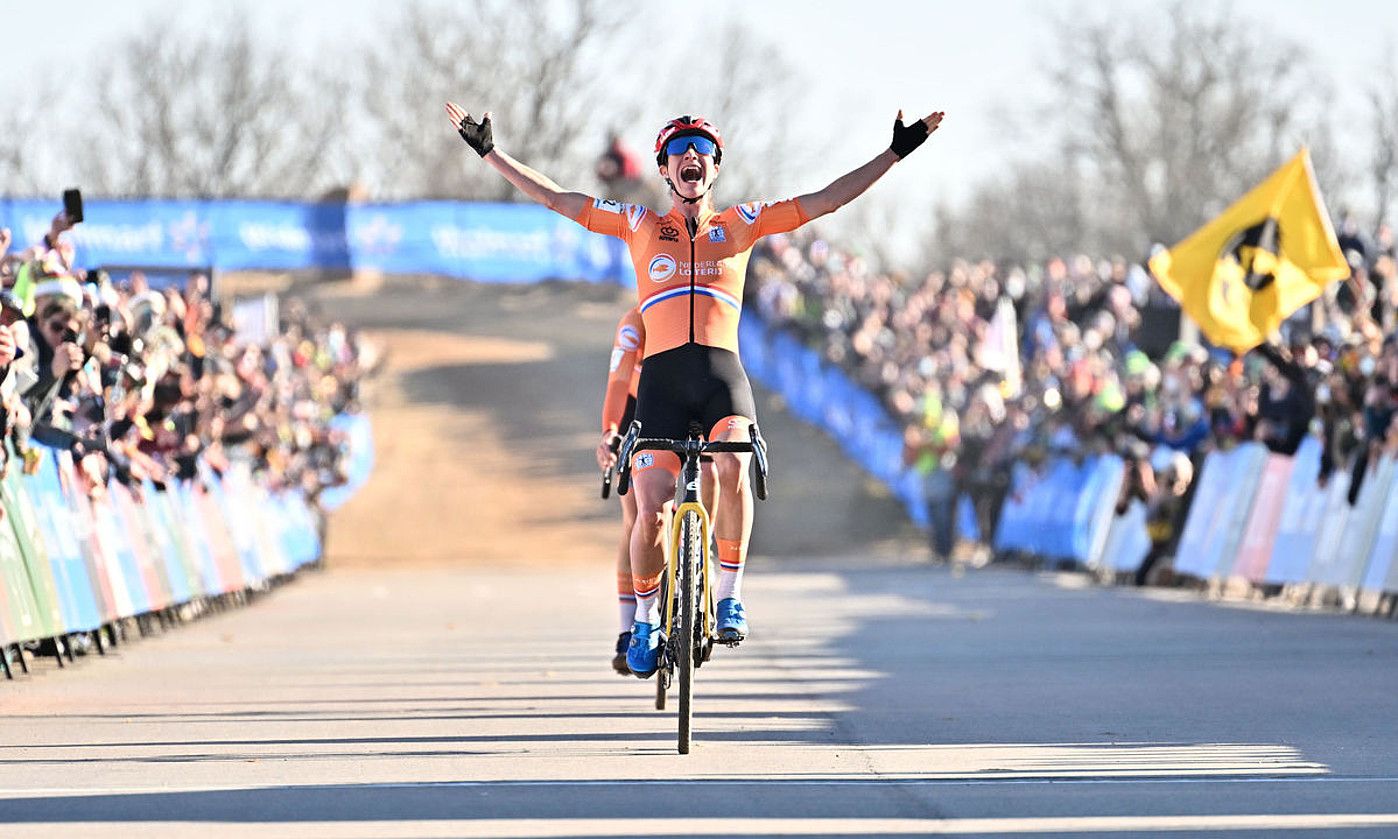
(823, 395)
(486, 242)
(1064, 511)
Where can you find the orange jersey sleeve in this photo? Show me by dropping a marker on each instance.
(613, 218)
(767, 219)
(624, 372)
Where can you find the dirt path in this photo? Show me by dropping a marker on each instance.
(484, 419)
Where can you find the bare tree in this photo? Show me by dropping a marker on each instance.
(19, 169)
(1383, 103)
(539, 66)
(200, 115)
(1187, 117)
(1036, 210)
(1165, 118)
(751, 92)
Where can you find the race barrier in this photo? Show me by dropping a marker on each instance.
(75, 558)
(480, 241)
(1267, 519)
(824, 396)
(1064, 512)
(359, 462)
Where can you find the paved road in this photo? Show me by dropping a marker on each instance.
(887, 700)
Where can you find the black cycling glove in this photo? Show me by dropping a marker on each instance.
(477, 134)
(907, 137)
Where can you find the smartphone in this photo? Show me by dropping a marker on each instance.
(73, 204)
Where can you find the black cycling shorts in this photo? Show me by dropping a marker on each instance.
(695, 384)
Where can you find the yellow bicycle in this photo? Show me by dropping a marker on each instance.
(688, 636)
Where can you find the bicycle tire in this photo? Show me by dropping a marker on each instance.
(686, 631)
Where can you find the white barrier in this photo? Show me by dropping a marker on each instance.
(1294, 542)
(1382, 573)
(1253, 509)
(1219, 512)
(1127, 542)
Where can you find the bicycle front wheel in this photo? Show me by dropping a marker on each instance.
(691, 553)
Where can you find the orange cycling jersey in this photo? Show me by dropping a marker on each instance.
(690, 287)
(624, 373)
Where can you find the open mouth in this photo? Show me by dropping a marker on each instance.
(691, 174)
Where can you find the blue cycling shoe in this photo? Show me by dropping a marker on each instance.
(732, 621)
(644, 652)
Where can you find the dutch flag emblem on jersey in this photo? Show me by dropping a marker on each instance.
(749, 212)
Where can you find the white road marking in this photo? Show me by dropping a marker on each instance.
(745, 782)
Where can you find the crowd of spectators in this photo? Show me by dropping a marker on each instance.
(987, 365)
(143, 383)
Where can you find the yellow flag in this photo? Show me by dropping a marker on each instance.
(1270, 253)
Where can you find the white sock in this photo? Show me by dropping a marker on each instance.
(626, 600)
(648, 600)
(730, 569)
(730, 584)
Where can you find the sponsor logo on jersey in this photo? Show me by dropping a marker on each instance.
(634, 214)
(643, 460)
(662, 267)
(669, 233)
(706, 268)
(749, 212)
(718, 234)
(628, 337)
(609, 205)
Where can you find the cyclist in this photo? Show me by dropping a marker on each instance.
(690, 268)
(618, 409)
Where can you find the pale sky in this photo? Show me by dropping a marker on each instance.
(863, 59)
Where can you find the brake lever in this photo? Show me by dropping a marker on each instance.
(628, 443)
(607, 475)
(759, 459)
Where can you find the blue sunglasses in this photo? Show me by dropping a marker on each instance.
(700, 143)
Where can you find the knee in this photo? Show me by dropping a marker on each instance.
(650, 509)
(731, 469)
(709, 471)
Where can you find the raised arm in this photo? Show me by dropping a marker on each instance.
(850, 186)
(539, 187)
